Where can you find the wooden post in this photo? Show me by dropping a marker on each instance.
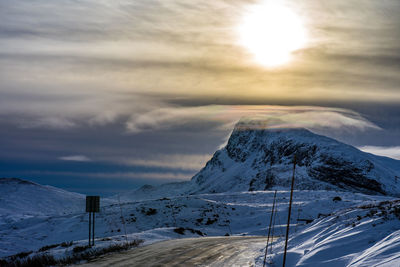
(269, 230)
(290, 210)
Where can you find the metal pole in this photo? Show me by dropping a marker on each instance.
(290, 210)
(273, 225)
(123, 220)
(90, 226)
(269, 229)
(93, 228)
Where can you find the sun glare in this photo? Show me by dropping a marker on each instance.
(271, 32)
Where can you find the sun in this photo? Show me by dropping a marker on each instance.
(271, 32)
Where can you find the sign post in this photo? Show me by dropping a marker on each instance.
(92, 206)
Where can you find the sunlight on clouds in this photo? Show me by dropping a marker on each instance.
(271, 32)
(199, 49)
(135, 85)
(98, 61)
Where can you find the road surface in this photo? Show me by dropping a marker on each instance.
(207, 251)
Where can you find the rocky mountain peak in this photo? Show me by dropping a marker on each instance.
(257, 158)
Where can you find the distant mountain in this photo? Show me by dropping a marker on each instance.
(256, 158)
(18, 196)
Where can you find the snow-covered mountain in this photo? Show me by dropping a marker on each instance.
(256, 158)
(232, 195)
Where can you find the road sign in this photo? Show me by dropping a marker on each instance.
(92, 206)
(92, 203)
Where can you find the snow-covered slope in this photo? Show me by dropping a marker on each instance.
(365, 235)
(234, 213)
(148, 192)
(23, 197)
(256, 158)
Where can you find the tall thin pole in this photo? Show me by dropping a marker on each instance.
(90, 226)
(94, 214)
(273, 225)
(290, 210)
(269, 229)
(123, 220)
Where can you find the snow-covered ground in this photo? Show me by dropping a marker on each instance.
(364, 235)
(355, 230)
(25, 198)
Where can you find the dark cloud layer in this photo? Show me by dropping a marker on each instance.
(149, 86)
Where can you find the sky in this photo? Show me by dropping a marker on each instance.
(100, 97)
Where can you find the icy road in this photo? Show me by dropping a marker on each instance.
(207, 251)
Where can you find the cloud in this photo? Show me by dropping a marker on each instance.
(226, 116)
(143, 175)
(46, 122)
(80, 158)
(164, 118)
(191, 49)
(136, 81)
(387, 151)
(119, 175)
(94, 61)
(188, 162)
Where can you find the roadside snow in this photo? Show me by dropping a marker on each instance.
(236, 213)
(365, 235)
